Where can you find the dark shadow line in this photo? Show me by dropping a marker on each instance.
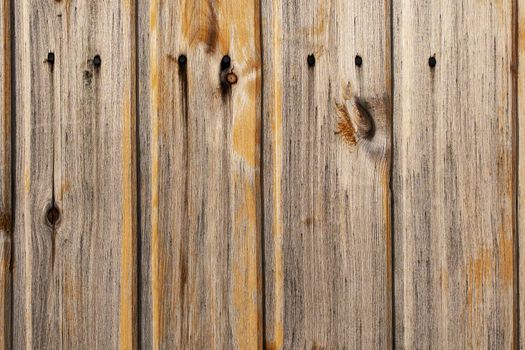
(515, 171)
(138, 208)
(391, 188)
(262, 177)
(13, 130)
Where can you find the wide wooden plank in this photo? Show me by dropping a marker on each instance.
(5, 175)
(200, 200)
(453, 175)
(327, 127)
(74, 267)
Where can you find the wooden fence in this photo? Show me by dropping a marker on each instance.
(262, 174)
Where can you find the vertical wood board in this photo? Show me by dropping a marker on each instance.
(5, 175)
(200, 194)
(453, 175)
(74, 257)
(520, 149)
(327, 130)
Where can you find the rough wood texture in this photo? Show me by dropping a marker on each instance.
(75, 148)
(200, 200)
(453, 175)
(520, 95)
(148, 231)
(5, 175)
(326, 174)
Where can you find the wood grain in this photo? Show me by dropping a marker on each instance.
(520, 144)
(326, 168)
(453, 175)
(200, 197)
(75, 278)
(5, 175)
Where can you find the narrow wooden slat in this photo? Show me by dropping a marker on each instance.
(5, 175)
(75, 144)
(200, 201)
(326, 174)
(453, 175)
(520, 36)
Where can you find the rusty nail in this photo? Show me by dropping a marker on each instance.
(231, 78)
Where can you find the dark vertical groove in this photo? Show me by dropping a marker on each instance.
(184, 251)
(262, 269)
(138, 179)
(12, 69)
(391, 187)
(53, 204)
(515, 173)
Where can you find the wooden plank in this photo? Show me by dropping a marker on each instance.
(520, 144)
(326, 174)
(200, 200)
(74, 265)
(453, 175)
(5, 175)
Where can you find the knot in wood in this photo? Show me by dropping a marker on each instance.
(53, 215)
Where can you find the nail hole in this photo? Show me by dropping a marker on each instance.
(225, 62)
(432, 62)
(97, 61)
(53, 214)
(182, 60)
(310, 60)
(358, 61)
(51, 57)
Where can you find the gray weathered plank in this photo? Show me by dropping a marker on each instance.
(5, 175)
(453, 175)
(200, 208)
(326, 174)
(74, 280)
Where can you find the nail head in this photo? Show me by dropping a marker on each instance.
(225, 62)
(51, 57)
(310, 60)
(97, 61)
(231, 78)
(358, 61)
(182, 60)
(432, 62)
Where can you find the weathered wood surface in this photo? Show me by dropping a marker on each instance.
(520, 150)
(5, 175)
(74, 279)
(200, 200)
(453, 175)
(326, 174)
(249, 206)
